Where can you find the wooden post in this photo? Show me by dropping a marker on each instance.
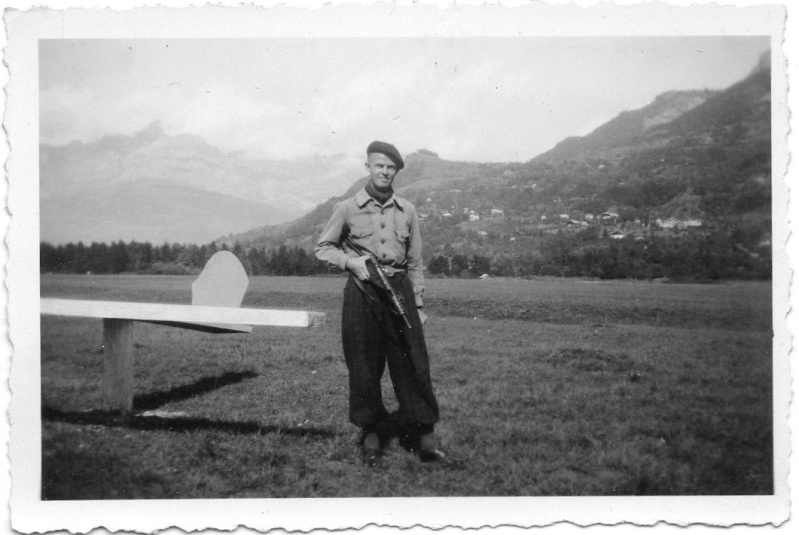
(118, 362)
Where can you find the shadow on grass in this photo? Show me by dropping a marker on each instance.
(148, 402)
(177, 424)
(153, 400)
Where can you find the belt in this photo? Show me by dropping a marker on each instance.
(391, 270)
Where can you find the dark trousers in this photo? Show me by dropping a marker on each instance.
(373, 336)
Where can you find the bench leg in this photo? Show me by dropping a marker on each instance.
(118, 362)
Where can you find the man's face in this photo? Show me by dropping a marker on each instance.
(381, 170)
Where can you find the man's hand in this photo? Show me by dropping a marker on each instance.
(422, 316)
(358, 267)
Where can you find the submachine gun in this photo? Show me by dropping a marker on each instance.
(396, 299)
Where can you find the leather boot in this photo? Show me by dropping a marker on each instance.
(428, 450)
(370, 449)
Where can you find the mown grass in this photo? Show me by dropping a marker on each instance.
(547, 387)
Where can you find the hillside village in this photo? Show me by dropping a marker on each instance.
(611, 223)
(683, 178)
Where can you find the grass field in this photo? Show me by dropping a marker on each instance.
(546, 387)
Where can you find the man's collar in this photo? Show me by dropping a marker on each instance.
(362, 198)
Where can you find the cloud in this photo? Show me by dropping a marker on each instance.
(419, 101)
(470, 99)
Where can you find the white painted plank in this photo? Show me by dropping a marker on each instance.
(162, 312)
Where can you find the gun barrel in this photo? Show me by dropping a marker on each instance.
(396, 299)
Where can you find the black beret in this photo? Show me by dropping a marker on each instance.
(388, 149)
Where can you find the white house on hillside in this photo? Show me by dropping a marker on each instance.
(604, 216)
(673, 222)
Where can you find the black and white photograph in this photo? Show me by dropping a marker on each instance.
(539, 267)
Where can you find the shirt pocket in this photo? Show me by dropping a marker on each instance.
(361, 233)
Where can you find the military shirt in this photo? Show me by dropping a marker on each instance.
(389, 232)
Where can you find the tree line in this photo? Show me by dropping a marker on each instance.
(172, 259)
(711, 256)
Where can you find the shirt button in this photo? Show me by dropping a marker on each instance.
(383, 225)
(384, 255)
(382, 240)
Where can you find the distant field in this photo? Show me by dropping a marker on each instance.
(547, 387)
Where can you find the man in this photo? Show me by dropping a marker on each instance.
(376, 226)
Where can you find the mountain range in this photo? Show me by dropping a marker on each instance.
(689, 155)
(151, 186)
(700, 154)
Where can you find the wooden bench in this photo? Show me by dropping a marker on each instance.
(216, 296)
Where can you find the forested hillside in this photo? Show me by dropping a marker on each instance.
(679, 188)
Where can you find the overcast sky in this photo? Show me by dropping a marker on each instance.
(475, 99)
